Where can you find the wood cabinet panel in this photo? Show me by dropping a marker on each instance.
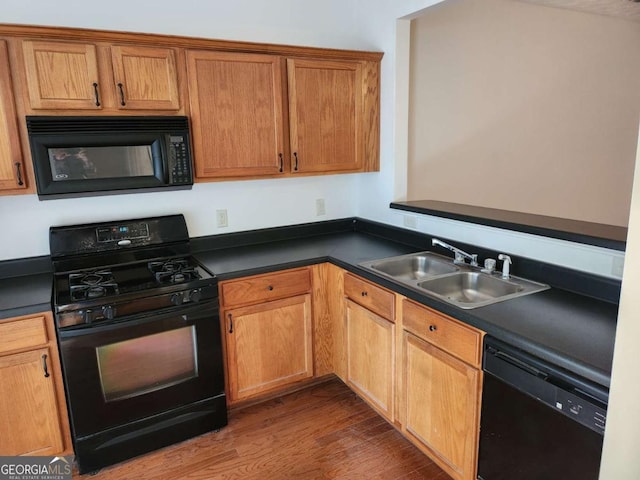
(61, 75)
(442, 402)
(268, 346)
(237, 106)
(12, 171)
(33, 411)
(21, 334)
(28, 410)
(370, 296)
(325, 115)
(370, 349)
(446, 333)
(265, 287)
(145, 78)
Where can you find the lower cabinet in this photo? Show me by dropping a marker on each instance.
(370, 357)
(32, 407)
(370, 343)
(442, 388)
(268, 332)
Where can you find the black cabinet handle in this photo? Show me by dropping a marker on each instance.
(364, 294)
(19, 173)
(295, 166)
(270, 287)
(122, 102)
(230, 323)
(44, 365)
(95, 92)
(281, 163)
(432, 328)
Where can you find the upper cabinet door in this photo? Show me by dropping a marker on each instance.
(62, 75)
(11, 166)
(145, 78)
(237, 113)
(325, 110)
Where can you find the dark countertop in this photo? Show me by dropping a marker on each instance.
(25, 295)
(572, 331)
(608, 236)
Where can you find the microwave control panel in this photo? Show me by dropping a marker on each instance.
(179, 161)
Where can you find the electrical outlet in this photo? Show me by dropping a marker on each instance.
(320, 210)
(221, 218)
(410, 221)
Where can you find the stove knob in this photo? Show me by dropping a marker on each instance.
(109, 312)
(195, 295)
(176, 299)
(86, 315)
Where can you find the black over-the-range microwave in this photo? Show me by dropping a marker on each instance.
(82, 156)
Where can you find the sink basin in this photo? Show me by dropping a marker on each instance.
(415, 266)
(461, 285)
(475, 289)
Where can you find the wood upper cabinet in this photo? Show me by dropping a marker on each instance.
(11, 164)
(237, 113)
(259, 115)
(325, 115)
(145, 78)
(32, 407)
(99, 77)
(370, 343)
(442, 388)
(62, 75)
(268, 332)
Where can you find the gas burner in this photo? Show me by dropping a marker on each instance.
(93, 284)
(176, 270)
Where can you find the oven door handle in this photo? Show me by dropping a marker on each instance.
(189, 317)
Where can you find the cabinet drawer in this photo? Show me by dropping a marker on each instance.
(443, 332)
(265, 287)
(23, 333)
(370, 296)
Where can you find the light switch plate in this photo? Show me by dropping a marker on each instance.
(221, 218)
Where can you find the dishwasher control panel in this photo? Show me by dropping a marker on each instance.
(581, 410)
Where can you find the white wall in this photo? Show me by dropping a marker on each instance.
(250, 204)
(620, 460)
(356, 24)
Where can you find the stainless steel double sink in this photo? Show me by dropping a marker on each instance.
(458, 284)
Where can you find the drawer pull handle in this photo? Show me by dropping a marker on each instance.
(95, 92)
(44, 366)
(364, 294)
(122, 102)
(432, 328)
(270, 287)
(230, 323)
(295, 166)
(19, 173)
(281, 163)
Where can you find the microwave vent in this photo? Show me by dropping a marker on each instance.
(84, 124)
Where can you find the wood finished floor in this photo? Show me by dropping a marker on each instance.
(323, 432)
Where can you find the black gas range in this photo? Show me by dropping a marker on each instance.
(140, 340)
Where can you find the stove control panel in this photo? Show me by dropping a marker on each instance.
(117, 233)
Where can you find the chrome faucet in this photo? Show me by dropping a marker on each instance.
(460, 255)
(506, 261)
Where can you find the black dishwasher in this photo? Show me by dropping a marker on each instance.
(538, 422)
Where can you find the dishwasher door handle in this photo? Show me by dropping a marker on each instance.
(518, 363)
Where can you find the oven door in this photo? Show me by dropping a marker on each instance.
(137, 367)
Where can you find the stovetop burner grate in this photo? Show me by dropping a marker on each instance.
(92, 284)
(176, 270)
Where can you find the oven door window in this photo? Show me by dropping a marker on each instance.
(146, 364)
